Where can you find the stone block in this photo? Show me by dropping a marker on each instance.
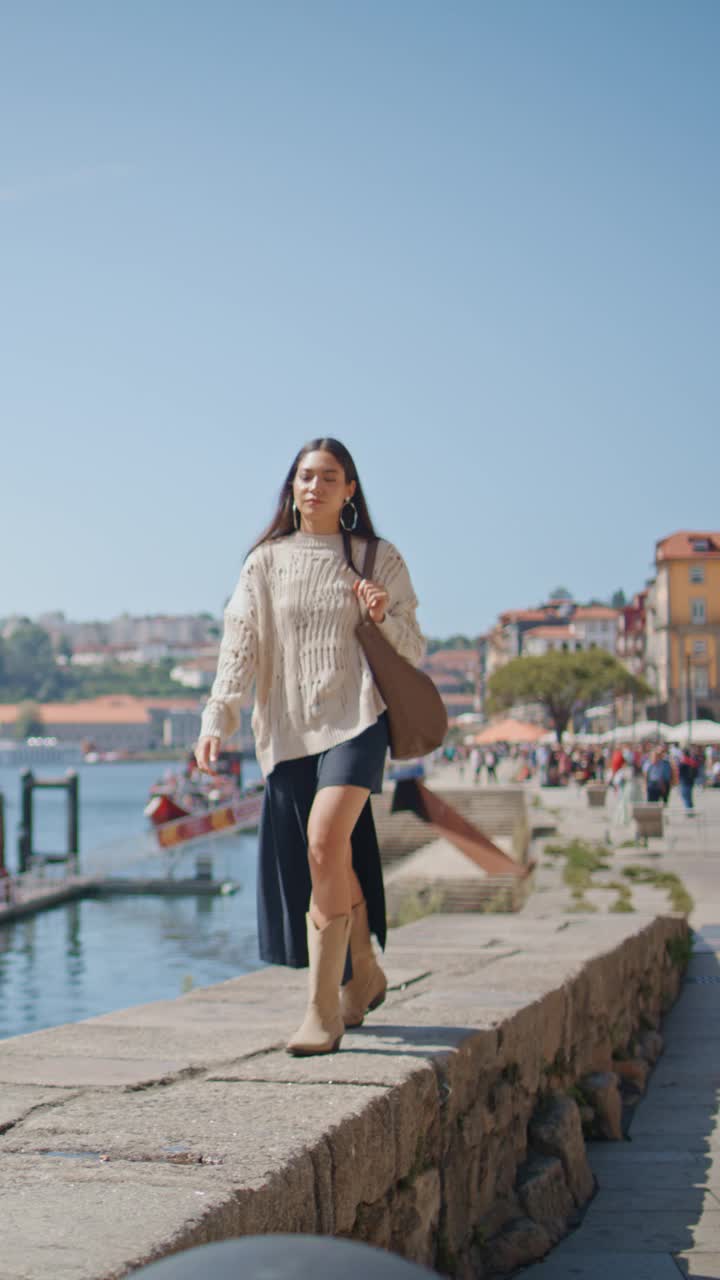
(632, 1071)
(603, 1094)
(544, 1194)
(522, 1242)
(458, 1193)
(648, 819)
(415, 1218)
(373, 1224)
(363, 1160)
(501, 1104)
(555, 1130)
(504, 1210)
(651, 1044)
(478, 1123)
(416, 1123)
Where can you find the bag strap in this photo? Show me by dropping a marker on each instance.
(370, 554)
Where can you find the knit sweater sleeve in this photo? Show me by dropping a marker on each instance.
(237, 660)
(400, 625)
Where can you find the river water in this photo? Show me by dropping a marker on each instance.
(93, 957)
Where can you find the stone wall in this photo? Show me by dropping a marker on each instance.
(499, 1170)
(449, 1128)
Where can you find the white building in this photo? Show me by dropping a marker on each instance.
(596, 627)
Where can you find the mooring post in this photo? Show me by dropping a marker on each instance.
(25, 832)
(3, 868)
(6, 892)
(73, 818)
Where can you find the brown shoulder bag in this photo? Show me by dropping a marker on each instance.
(417, 717)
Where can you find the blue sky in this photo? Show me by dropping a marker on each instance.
(476, 241)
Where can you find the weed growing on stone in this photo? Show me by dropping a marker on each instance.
(415, 906)
(581, 904)
(623, 902)
(582, 860)
(680, 951)
(621, 905)
(680, 899)
(580, 854)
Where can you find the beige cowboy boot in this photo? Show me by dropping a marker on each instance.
(368, 985)
(323, 1026)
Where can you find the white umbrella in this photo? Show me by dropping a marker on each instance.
(643, 729)
(638, 732)
(694, 731)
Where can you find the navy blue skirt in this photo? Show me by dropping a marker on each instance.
(284, 885)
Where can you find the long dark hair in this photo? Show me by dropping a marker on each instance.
(282, 523)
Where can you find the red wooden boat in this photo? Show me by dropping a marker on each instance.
(188, 805)
(242, 814)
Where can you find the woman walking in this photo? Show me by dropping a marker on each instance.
(687, 774)
(320, 729)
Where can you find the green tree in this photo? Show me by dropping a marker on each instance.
(29, 721)
(434, 643)
(618, 599)
(29, 667)
(562, 682)
(64, 648)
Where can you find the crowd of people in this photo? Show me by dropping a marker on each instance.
(636, 771)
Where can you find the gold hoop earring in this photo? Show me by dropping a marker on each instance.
(349, 527)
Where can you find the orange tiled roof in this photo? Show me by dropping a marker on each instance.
(108, 709)
(679, 546)
(199, 664)
(549, 633)
(524, 615)
(590, 611)
(453, 659)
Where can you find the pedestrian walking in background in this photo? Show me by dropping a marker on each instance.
(475, 764)
(658, 777)
(320, 729)
(687, 773)
(490, 765)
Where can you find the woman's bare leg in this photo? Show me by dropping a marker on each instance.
(335, 887)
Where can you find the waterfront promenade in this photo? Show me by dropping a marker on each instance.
(153, 1129)
(656, 1214)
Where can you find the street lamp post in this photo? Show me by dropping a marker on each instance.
(688, 694)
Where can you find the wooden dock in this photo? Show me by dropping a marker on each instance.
(28, 899)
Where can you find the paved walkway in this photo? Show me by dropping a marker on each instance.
(656, 1215)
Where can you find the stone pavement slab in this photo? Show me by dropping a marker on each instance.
(653, 1199)
(605, 1266)
(699, 1265)
(42, 1233)
(64, 1072)
(649, 1231)
(17, 1101)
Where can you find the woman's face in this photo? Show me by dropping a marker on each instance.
(320, 491)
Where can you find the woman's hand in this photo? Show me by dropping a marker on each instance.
(374, 597)
(206, 753)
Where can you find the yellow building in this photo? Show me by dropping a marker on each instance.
(683, 626)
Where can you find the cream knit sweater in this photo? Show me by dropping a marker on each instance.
(290, 625)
